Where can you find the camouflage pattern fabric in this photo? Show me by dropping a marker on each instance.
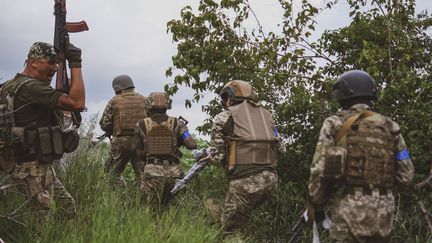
(250, 185)
(123, 150)
(106, 121)
(357, 215)
(160, 175)
(36, 180)
(217, 142)
(244, 195)
(40, 183)
(159, 179)
(42, 50)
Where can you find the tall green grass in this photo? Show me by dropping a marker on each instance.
(110, 214)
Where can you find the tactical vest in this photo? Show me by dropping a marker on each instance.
(371, 149)
(161, 137)
(253, 140)
(38, 137)
(129, 108)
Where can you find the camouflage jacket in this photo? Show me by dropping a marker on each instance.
(320, 189)
(106, 121)
(223, 126)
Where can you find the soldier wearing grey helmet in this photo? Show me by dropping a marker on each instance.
(119, 118)
(30, 125)
(158, 139)
(359, 159)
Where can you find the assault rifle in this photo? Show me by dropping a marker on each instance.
(196, 168)
(61, 39)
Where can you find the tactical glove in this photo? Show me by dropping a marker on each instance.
(73, 55)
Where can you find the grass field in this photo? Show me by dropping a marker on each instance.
(108, 214)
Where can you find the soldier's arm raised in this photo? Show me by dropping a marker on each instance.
(75, 100)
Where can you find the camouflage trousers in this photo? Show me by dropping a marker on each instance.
(41, 185)
(158, 180)
(244, 195)
(121, 152)
(362, 218)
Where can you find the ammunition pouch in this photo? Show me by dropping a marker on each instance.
(70, 140)
(50, 143)
(335, 163)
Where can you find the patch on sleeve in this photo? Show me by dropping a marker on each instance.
(276, 132)
(185, 136)
(403, 155)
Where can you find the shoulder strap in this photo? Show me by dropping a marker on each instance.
(349, 122)
(171, 122)
(148, 123)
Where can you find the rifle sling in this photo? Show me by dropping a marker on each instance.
(349, 122)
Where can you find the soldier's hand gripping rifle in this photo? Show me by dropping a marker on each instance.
(61, 40)
(194, 170)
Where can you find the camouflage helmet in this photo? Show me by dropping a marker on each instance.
(238, 89)
(354, 83)
(122, 82)
(158, 100)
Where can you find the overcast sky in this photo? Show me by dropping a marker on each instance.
(125, 37)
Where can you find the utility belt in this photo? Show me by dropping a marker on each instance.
(380, 191)
(158, 161)
(44, 143)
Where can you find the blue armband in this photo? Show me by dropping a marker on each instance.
(403, 155)
(185, 136)
(275, 132)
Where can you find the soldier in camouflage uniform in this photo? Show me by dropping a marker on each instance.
(245, 141)
(121, 114)
(37, 139)
(158, 139)
(360, 156)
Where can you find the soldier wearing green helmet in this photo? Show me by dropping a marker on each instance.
(119, 118)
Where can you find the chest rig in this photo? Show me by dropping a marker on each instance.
(370, 147)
